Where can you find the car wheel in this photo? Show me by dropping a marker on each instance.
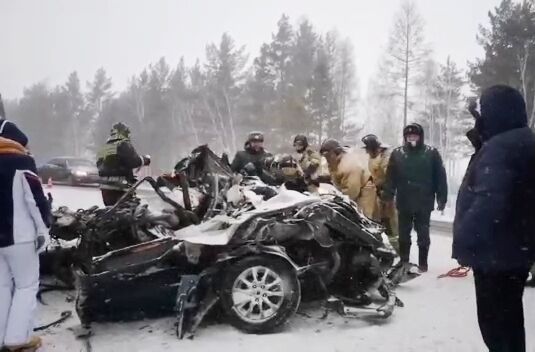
(44, 177)
(71, 181)
(260, 293)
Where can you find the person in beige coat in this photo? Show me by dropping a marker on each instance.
(350, 174)
(385, 212)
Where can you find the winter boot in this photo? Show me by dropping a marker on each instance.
(423, 253)
(404, 251)
(32, 346)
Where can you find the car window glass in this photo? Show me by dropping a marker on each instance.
(57, 162)
(81, 162)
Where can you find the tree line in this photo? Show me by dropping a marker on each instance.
(410, 84)
(300, 81)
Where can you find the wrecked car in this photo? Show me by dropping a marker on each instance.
(255, 260)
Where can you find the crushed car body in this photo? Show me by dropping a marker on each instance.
(253, 250)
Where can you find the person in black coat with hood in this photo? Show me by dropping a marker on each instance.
(494, 227)
(417, 179)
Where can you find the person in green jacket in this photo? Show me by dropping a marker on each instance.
(416, 178)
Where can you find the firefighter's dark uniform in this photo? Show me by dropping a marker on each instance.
(116, 161)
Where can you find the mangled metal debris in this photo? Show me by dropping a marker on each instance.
(256, 254)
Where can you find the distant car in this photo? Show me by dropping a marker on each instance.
(70, 170)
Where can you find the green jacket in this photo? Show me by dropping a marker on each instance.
(310, 163)
(416, 177)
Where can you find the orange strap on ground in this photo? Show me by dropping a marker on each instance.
(461, 271)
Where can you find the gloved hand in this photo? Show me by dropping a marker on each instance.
(249, 169)
(441, 206)
(268, 162)
(472, 107)
(379, 193)
(40, 243)
(146, 160)
(389, 204)
(310, 172)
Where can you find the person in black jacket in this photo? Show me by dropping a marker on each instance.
(253, 159)
(416, 177)
(494, 227)
(116, 161)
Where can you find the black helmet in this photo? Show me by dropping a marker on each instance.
(301, 139)
(330, 145)
(287, 161)
(269, 162)
(371, 142)
(255, 137)
(120, 130)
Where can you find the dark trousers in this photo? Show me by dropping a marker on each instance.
(421, 222)
(499, 309)
(110, 197)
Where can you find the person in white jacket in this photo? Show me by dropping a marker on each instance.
(24, 223)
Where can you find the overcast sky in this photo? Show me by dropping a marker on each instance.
(45, 40)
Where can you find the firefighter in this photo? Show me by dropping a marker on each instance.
(293, 176)
(350, 175)
(385, 212)
(116, 161)
(250, 160)
(253, 160)
(309, 161)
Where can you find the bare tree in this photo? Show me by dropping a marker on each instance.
(226, 73)
(382, 104)
(407, 49)
(345, 80)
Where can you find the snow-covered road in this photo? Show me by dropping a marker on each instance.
(439, 316)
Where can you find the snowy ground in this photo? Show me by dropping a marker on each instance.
(439, 315)
(446, 216)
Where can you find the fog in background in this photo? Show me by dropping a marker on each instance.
(47, 40)
(184, 73)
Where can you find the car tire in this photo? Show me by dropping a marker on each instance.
(261, 304)
(71, 181)
(43, 177)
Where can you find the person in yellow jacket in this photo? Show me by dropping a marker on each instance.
(385, 212)
(349, 173)
(310, 160)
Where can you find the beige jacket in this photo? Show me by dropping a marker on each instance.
(351, 176)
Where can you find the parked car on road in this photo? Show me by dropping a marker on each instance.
(70, 170)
